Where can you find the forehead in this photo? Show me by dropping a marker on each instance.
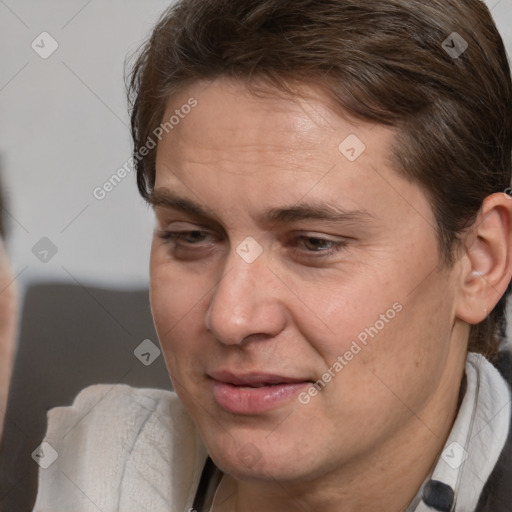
(229, 121)
(257, 151)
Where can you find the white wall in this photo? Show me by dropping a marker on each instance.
(63, 132)
(502, 12)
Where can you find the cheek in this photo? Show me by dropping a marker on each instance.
(177, 300)
(403, 362)
(345, 313)
(172, 291)
(385, 333)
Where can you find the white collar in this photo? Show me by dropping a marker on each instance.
(475, 442)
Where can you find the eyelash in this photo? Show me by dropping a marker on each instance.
(172, 238)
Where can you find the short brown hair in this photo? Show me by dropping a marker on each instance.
(401, 63)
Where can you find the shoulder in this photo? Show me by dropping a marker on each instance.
(497, 493)
(112, 407)
(119, 447)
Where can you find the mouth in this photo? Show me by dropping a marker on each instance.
(254, 393)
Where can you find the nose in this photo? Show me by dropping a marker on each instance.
(246, 303)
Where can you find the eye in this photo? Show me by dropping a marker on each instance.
(318, 246)
(195, 242)
(177, 238)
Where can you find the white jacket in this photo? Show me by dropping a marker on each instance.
(137, 450)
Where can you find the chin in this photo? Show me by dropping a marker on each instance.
(263, 469)
(255, 459)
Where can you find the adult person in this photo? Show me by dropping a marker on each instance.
(8, 318)
(329, 269)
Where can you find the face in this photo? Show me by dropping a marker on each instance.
(285, 255)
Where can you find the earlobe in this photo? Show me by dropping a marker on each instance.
(486, 267)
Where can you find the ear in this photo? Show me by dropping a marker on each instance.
(486, 265)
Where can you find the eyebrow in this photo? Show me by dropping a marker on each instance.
(288, 214)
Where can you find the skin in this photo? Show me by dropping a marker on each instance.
(8, 316)
(381, 423)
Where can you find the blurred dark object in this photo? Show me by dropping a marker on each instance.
(70, 337)
(2, 207)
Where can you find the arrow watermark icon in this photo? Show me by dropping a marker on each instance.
(352, 147)
(147, 352)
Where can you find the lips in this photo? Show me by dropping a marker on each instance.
(253, 393)
(254, 380)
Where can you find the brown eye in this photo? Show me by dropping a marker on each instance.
(188, 237)
(317, 244)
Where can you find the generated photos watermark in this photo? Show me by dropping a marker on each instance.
(113, 181)
(355, 348)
